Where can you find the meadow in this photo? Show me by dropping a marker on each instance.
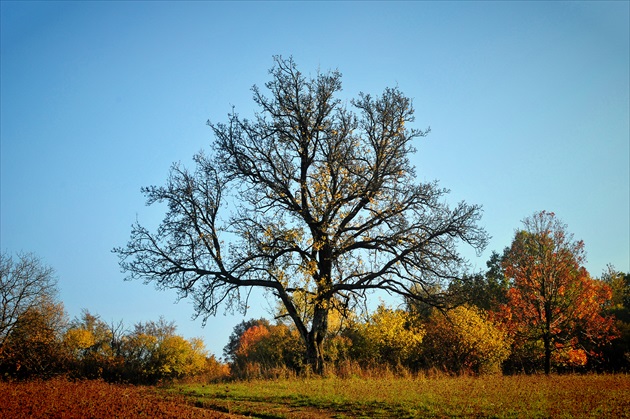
(537, 396)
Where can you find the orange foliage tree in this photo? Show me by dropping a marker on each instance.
(553, 299)
(264, 350)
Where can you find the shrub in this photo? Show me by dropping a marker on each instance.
(464, 340)
(388, 338)
(267, 351)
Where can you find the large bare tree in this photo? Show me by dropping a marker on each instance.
(313, 199)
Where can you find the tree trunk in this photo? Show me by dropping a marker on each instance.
(319, 326)
(547, 337)
(314, 356)
(315, 340)
(547, 341)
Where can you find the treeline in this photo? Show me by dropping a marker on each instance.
(500, 320)
(475, 335)
(38, 340)
(535, 308)
(44, 344)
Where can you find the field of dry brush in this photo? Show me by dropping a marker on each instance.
(62, 399)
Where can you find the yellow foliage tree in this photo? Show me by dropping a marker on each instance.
(176, 357)
(78, 341)
(155, 352)
(34, 346)
(388, 337)
(465, 340)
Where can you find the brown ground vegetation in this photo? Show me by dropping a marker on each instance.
(62, 399)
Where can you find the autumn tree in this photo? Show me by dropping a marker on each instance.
(388, 338)
(34, 348)
(553, 300)
(25, 283)
(464, 339)
(31, 318)
(153, 351)
(313, 196)
(95, 347)
(266, 350)
(617, 356)
(234, 341)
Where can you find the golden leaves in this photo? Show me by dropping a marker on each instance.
(309, 268)
(466, 339)
(79, 339)
(389, 335)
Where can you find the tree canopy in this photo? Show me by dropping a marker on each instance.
(312, 198)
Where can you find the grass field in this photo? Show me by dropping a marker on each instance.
(567, 396)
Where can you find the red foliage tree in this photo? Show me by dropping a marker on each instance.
(553, 298)
(250, 338)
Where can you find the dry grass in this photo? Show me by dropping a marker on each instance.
(63, 399)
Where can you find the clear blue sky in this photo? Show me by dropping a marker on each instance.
(528, 103)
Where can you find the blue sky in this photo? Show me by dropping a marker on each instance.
(528, 103)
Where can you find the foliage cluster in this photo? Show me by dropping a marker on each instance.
(465, 339)
(462, 340)
(387, 337)
(497, 321)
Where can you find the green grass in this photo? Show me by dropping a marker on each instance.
(566, 396)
